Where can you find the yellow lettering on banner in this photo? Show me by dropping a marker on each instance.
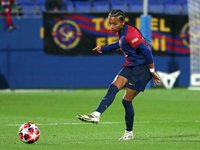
(111, 40)
(127, 19)
(106, 25)
(137, 23)
(155, 44)
(162, 26)
(97, 22)
(42, 32)
(101, 41)
(154, 24)
(163, 44)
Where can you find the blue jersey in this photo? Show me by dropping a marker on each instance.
(133, 46)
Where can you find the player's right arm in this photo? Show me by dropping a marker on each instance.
(108, 48)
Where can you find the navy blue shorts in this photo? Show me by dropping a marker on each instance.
(138, 76)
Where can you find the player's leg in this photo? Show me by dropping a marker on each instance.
(118, 83)
(129, 113)
(139, 77)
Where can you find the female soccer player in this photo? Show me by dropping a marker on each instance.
(134, 75)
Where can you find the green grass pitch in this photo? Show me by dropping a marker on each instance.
(164, 120)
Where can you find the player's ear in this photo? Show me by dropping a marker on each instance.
(123, 23)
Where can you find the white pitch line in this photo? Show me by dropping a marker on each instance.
(84, 123)
(55, 124)
(35, 90)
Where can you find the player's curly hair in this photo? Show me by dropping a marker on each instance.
(121, 15)
(117, 13)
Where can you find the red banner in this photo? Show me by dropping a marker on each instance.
(78, 34)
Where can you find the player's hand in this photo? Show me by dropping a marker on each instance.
(156, 78)
(98, 49)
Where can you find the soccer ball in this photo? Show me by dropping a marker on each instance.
(29, 132)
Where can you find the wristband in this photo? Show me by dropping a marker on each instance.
(152, 69)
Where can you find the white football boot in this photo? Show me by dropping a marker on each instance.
(89, 118)
(127, 136)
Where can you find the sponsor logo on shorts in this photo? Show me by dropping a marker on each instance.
(131, 83)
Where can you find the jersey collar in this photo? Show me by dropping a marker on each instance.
(124, 30)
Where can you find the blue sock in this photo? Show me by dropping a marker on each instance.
(108, 98)
(129, 114)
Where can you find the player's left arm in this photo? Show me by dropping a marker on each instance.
(136, 41)
(148, 56)
(156, 78)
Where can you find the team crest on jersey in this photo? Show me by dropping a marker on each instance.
(185, 35)
(66, 34)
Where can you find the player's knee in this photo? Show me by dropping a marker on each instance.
(130, 94)
(120, 82)
(128, 98)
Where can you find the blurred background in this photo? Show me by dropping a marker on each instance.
(37, 49)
